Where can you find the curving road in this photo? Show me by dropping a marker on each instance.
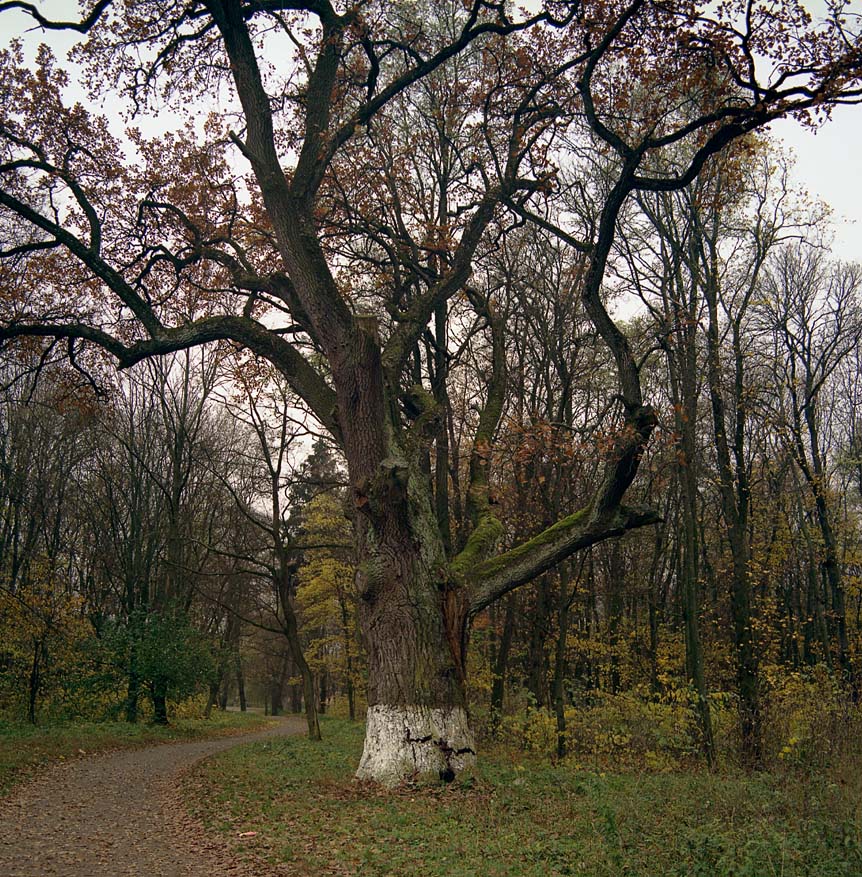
(116, 815)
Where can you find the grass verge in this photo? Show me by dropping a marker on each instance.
(25, 748)
(518, 816)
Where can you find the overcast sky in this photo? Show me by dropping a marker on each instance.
(829, 166)
(829, 161)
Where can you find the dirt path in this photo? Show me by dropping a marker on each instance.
(115, 815)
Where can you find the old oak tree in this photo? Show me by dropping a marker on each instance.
(327, 216)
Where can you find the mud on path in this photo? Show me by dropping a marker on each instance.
(117, 814)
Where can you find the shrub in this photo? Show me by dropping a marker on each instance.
(808, 720)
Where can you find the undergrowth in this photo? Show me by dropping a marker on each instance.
(294, 801)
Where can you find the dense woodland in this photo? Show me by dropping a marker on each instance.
(470, 364)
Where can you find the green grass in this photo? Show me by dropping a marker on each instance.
(24, 747)
(529, 818)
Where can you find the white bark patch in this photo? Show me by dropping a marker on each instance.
(407, 742)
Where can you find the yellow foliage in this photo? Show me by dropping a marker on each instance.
(41, 626)
(807, 714)
(325, 599)
(623, 727)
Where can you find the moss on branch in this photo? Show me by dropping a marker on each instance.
(490, 579)
(512, 558)
(483, 540)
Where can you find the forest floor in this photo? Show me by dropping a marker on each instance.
(119, 814)
(26, 749)
(296, 802)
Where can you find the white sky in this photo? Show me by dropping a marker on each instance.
(829, 167)
(828, 162)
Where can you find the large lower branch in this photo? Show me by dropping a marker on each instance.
(302, 377)
(90, 258)
(605, 517)
(82, 26)
(492, 579)
(300, 374)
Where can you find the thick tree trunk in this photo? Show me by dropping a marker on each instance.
(276, 690)
(160, 702)
(501, 664)
(412, 616)
(212, 700)
(414, 603)
(133, 688)
(414, 627)
(537, 657)
(832, 574)
(35, 681)
(408, 742)
(348, 657)
(559, 693)
(350, 688)
(616, 580)
(296, 698)
(417, 722)
(240, 681)
(746, 656)
(323, 691)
